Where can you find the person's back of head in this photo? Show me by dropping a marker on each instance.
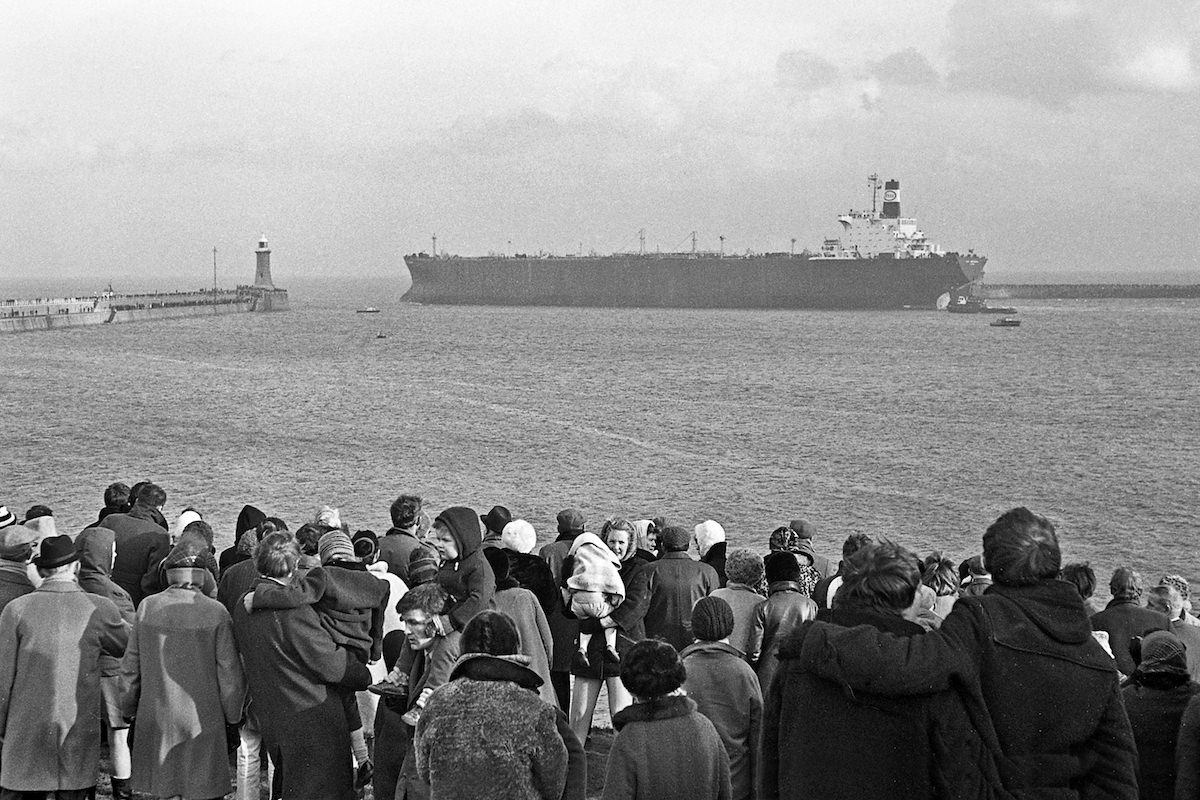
(712, 619)
(1162, 599)
(1125, 584)
(491, 632)
(276, 555)
(940, 574)
(675, 539)
(651, 669)
(781, 566)
(855, 542)
(1081, 576)
(38, 511)
(744, 566)
(882, 577)
(200, 529)
(116, 495)
(150, 495)
(1021, 548)
(308, 538)
(405, 511)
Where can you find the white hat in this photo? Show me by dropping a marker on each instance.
(708, 533)
(519, 535)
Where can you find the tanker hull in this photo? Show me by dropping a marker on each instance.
(633, 281)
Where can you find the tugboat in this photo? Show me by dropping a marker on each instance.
(1005, 322)
(966, 304)
(367, 310)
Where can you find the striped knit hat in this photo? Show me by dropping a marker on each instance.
(6, 517)
(335, 546)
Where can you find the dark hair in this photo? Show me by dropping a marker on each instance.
(939, 574)
(152, 495)
(1081, 576)
(279, 524)
(200, 528)
(1125, 584)
(1021, 548)
(117, 494)
(492, 632)
(855, 542)
(308, 536)
(405, 511)
(781, 565)
(428, 597)
(38, 511)
(652, 668)
(276, 555)
(882, 576)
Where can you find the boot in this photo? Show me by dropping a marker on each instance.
(121, 790)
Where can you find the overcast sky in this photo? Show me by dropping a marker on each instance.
(1054, 136)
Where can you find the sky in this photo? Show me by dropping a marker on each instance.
(1059, 138)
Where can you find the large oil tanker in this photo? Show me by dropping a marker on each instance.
(109, 307)
(882, 260)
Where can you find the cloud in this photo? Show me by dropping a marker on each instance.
(1053, 51)
(905, 68)
(805, 71)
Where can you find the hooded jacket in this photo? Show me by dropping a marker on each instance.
(1039, 688)
(95, 548)
(594, 568)
(468, 579)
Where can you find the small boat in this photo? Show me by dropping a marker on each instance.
(367, 310)
(381, 335)
(1005, 322)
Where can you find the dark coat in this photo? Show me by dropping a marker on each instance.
(1123, 620)
(785, 608)
(715, 558)
(666, 750)
(629, 616)
(725, 690)
(1030, 670)
(815, 734)
(675, 582)
(94, 546)
(534, 574)
(14, 582)
(395, 547)
(469, 579)
(563, 628)
(1154, 715)
(235, 582)
(525, 758)
(297, 679)
(141, 544)
(1187, 753)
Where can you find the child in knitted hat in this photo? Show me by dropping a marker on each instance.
(593, 592)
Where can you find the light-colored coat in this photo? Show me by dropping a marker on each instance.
(184, 683)
(534, 630)
(50, 646)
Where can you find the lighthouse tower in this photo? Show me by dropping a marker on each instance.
(262, 267)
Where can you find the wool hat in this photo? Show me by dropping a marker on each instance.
(335, 546)
(712, 619)
(365, 543)
(55, 551)
(14, 536)
(803, 528)
(781, 565)
(422, 566)
(496, 519)
(708, 533)
(675, 538)
(519, 535)
(6, 517)
(1163, 652)
(492, 632)
(570, 520)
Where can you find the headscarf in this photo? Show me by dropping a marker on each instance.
(1163, 663)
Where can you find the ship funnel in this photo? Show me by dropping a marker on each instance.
(891, 200)
(262, 267)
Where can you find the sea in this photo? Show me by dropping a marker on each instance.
(918, 426)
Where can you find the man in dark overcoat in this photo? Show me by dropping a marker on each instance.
(297, 679)
(142, 542)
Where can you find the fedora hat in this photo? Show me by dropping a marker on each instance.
(55, 552)
(496, 519)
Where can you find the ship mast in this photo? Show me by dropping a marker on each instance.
(435, 245)
(214, 277)
(641, 241)
(873, 179)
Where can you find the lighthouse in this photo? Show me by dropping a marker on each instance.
(262, 267)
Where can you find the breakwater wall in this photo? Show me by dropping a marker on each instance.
(113, 315)
(1077, 291)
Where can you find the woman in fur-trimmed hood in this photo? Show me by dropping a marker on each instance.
(485, 734)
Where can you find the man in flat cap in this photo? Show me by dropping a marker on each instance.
(16, 546)
(50, 643)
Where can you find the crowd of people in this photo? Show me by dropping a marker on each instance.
(451, 657)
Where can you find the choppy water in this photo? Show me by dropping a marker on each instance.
(916, 425)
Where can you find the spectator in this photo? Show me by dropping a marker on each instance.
(493, 523)
(1125, 618)
(744, 569)
(142, 541)
(401, 539)
(563, 628)
(711, 545)
(16, 548)
(787, 605)
(675, 582)
(826, 588)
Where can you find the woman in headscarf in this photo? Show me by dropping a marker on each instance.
(1155, 698)
(628, 619)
